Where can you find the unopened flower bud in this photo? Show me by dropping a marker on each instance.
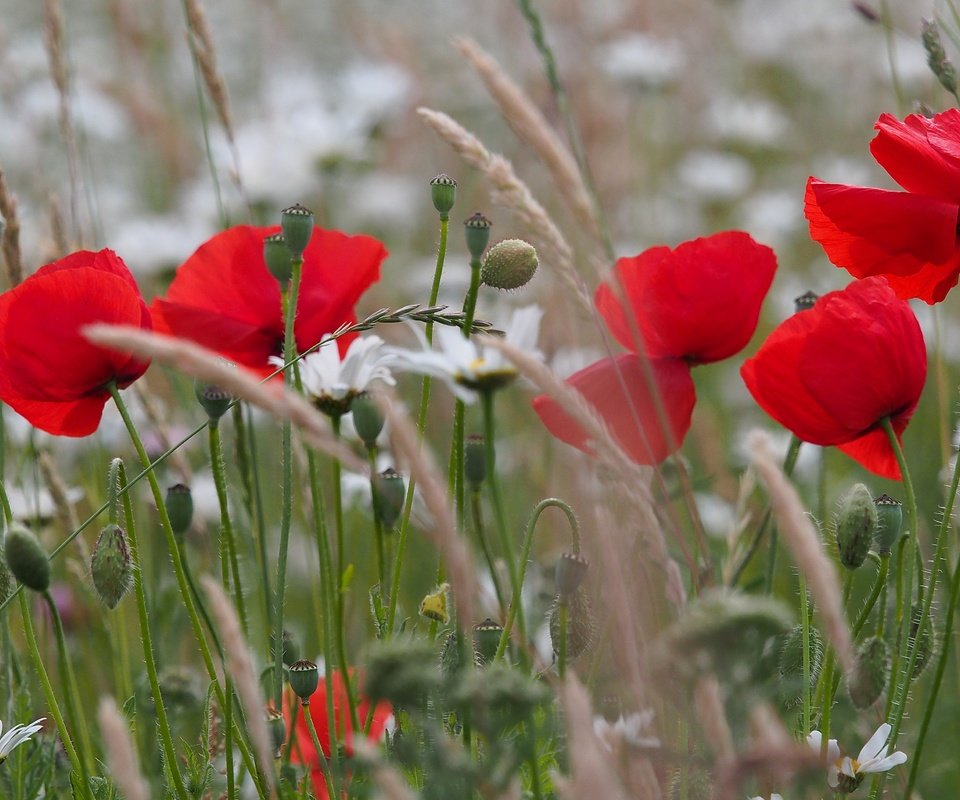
(509, 264)
(26, 558)
(214, 400)
(926, 640)
(6, 579)
(443, 191)
(278, 729)
(276, 255)
(805, 302)
(939, 64)
(790, 666)
(304, 678)
(580, 624)
(889, 522)
(434, 605)
(477, 231)
(179, 508)
(367, 419)
(296, 224)
(856, 523)
(474, 460)
(867, 682)
(110, 565)
(389, 497)
(571, 570)
(291, 648)
(486, 639)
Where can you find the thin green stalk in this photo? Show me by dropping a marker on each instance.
(201, 608)
(485, 547)
(878, 586)
(377, 524)
(324, 764)
(228, 547)
(807, 720)
(228, 738)
(827, 676)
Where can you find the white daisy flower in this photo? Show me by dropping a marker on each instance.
(634, 729)
(332, 382)
(845, 773)
(16, 736)
(774, 796)
(467, 367)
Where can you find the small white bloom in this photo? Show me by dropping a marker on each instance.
(774, 796)
(632, 729)
(16, 736)
(467, 367)
(845, 773)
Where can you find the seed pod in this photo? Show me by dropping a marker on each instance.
(26, 558)
(571, 570)
(486, 639)
(509, 264)
(889, 522)
(790, 666)
(179, 508)
(276, 256)
(476, 229)
(278, 729)
(291, 648)
(805, 302)
(443, 192)
(856, 524)
(214, 400)
(110, 565)
(367, 419)
(475, 461)
(867, 682)
(296, 224)
(304, 678)
(580, 624)
(389, 497)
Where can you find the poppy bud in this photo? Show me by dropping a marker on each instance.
(477, 232)
(509, 264)
(278, 729)
(26, 558)
(580, 624)
(296, 224)
(889, 522)
(276, 255)
(475, 460)
(367, 419)
(388, 500)
(450, 654)
(434, 605)
(791, 661)
(443, 191)
(6, 579)
(805, 302)
(856, 523)
(926, 640)
(868, 680)
(937, 60)
(571, 570)
(486, 639)
(215, 401)
(179, 508)
(110, 565)
(291, 648)
(304, 678)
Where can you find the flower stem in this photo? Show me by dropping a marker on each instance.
(485, 547)
(324, 764)
(228, 544)
(377, 524)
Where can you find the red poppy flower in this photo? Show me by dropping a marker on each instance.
(911, 236)
(49, 373)
(340, 729)
(224, 298)
(832, 373)
(699, 302)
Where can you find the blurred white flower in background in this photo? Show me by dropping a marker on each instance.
(643, 60)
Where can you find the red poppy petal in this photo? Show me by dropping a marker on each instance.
(921, 154)
(866, 358)
(931, 284)
(873, 452)
(631, 415)
(631, 275)
(77, 418)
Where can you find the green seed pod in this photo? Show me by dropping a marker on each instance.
(26, 558)
(179, 504)
(889, 522)
(486, 639)
(278, 729)
(867, 682)
(291, 649)
(790, 665)
(6, 579)
(856, 524)
(276, 255)
(443, 192)
(304, 678)
(215, 401)
(434, 605)
(367, 419)
(475, 460)
(571, 570)
(110, 565)
(296, 224)
(805, 302)
(580, 624)
(389, 497)
(509, 264)
(926, 645)
(477, 232)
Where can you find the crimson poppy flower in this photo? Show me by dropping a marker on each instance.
(831, 374)
(911, 236)
(49, 373)
(340, 729)
(694, 304)
(224, 298)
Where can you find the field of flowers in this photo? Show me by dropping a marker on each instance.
(504, 400)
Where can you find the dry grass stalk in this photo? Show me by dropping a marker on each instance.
(240, 666)
(57, 487)
(201, 44)
(59, 246)
(442, 529)
(10, 238)
(526, 121)
(120, 752)
(712, 718)
(512, 193)
(198, 362)
(803, 541)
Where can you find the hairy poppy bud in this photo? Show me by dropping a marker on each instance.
(790, 667)
(474, 460)
(889, 522)
(304, 678)
(926, 640)
(26, 558)
(214, 400)
(110, 565)
(367, 419)
(486, 639)
(868, 680)
(477, 231)
(276, 255)
(571, 570)
(291, 648)
(509, 264)
(180, 508)
(443, 192)
(856, 524)
(580, 624)
(278, 729)
(434, 605)
(389, 497)
(296, 224)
